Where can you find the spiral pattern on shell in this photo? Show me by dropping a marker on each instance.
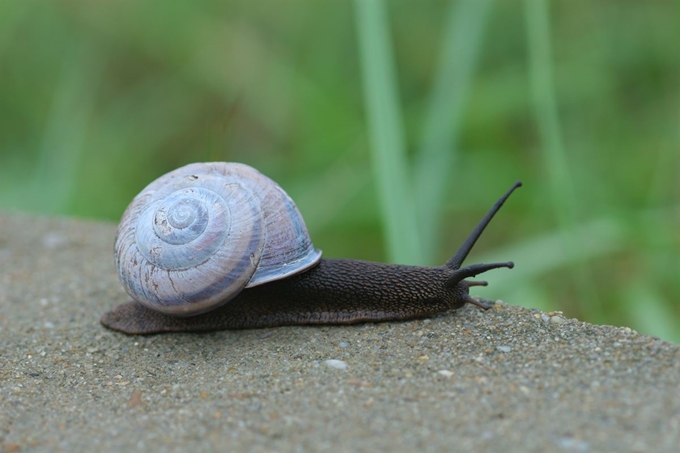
(195, 237)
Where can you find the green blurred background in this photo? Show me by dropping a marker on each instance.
(394, 125)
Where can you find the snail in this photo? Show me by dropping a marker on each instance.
(213, 246)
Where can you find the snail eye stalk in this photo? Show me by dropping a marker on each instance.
(457, 260)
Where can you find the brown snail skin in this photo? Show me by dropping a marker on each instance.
(327, 291)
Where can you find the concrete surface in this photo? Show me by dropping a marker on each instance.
(509, 379)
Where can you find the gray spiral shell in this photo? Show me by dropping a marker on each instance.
(195, 237)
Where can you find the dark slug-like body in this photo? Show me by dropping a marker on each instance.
(335, 291)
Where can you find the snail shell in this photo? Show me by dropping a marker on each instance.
(195, 237)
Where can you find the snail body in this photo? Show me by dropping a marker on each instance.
(220, 246)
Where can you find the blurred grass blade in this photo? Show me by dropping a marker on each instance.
(341, 182)
(389, 159)
(557, 166)
(49, 184)
(531, 296)
(539, 256)
(63, 142)
(12, 17)
(458, 57)
(648, 313)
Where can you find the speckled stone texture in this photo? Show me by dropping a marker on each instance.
(509, 379)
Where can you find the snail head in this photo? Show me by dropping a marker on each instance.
(456, 280)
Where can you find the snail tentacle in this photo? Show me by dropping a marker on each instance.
(457, 260)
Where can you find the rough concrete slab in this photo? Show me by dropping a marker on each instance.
(509, 379)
